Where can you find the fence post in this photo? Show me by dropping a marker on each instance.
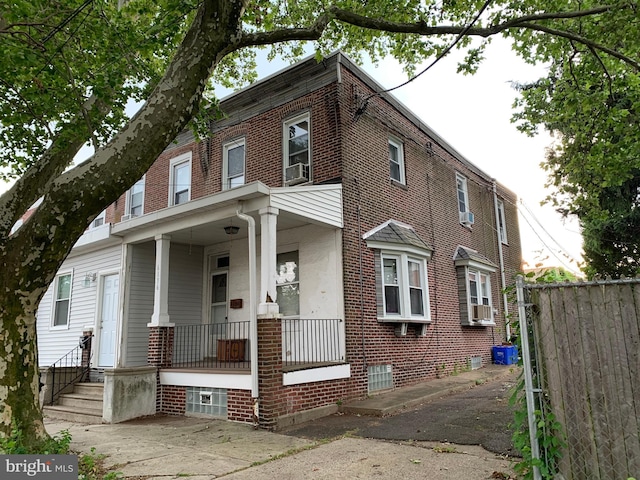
(528, 376)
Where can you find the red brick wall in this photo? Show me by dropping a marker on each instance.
(173, 400)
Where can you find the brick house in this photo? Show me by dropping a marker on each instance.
(322, 245)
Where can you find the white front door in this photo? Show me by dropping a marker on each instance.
(218, 320)
(108, 321)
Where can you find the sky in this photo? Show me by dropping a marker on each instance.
(472, 113)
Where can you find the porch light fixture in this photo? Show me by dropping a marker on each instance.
(89, 278)
(231, 230)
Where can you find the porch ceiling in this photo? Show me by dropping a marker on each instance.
(202, 221)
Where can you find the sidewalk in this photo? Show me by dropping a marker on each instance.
(203, 449)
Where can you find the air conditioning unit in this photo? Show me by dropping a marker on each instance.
(467, 218)
(297, 173)
(481, 312)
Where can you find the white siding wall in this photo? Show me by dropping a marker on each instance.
(53, 344)
(185, 284)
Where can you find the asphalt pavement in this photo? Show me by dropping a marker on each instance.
(167, 448)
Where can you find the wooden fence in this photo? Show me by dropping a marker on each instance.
(587, 337)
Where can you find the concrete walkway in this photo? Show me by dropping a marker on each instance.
(174, 447)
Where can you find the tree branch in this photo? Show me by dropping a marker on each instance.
(524, 23)
(286, 35)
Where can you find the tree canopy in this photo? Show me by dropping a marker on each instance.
(69, 68)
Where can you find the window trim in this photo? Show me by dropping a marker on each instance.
(101, 218)
(127, 206)
(399, 145)
(403, 257)
(286, 124)
(462, 187)
(502, 223)
(229, 145)
(173, 164)
(481, 295)
(292, 282)
(55, 300)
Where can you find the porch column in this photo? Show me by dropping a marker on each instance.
(160, 316)
(268, 222)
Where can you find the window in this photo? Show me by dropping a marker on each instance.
(288, 283)
(180, 180)
(99, 220)
(297, 150)
(233, 164)
(396, 160)
(502, 223)
(135, 199)
(473, 271)
(463, 195)
(62, 300)
(403, 286)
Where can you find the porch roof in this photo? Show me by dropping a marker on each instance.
(202, 221)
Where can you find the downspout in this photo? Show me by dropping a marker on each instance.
(505, 300)
(253, 310)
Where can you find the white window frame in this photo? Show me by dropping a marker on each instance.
(403, 258)
(282, 280)
(483, 292)
(174, 164)
(226, 147)
(399, 147)
(462, 190)
(502, 223)
(128, 203)
(99, 220)
(56, 300)
(287, 124)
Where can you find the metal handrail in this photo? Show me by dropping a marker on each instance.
(70, 368)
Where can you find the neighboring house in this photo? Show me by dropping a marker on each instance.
(324, 244)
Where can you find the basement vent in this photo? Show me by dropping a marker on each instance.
(476, 362)
(380, 377)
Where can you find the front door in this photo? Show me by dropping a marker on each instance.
(108, 320)
(218, 320)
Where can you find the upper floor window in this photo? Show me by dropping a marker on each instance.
(502, 222)
(233, 164)
(288, 283)
(297, 150)
(396, 160)
(180, 180)
(135, 199)
(62, 300)
(99, 220)
(466, 217)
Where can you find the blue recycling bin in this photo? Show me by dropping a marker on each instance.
(505, 354)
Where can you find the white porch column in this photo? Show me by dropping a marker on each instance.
(268, 238)
(160, 316)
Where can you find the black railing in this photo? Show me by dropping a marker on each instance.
(70, 369)
(312, 342)
(213, 345)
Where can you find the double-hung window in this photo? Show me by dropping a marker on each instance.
(99, 220)
(288, 283)
(135, 199)
(396, 160)
(502, 222)
(62, 300)
(297, 150)
(474, 287)
(404, 283)
(180, 180)
(233, 167)
(464, 213)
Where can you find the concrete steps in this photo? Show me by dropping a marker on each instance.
(84, 405)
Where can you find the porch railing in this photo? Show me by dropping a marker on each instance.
(70, 369)
(224, 346)
(312, 342)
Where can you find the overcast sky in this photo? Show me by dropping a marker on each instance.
(472, 113)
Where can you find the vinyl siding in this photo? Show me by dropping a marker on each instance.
(54, 343)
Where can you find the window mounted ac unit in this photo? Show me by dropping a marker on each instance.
(481, 312)
(296, 173)
(467, 218)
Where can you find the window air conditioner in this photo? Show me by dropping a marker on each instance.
(481, 312)
(467, 218)
(296, 173)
